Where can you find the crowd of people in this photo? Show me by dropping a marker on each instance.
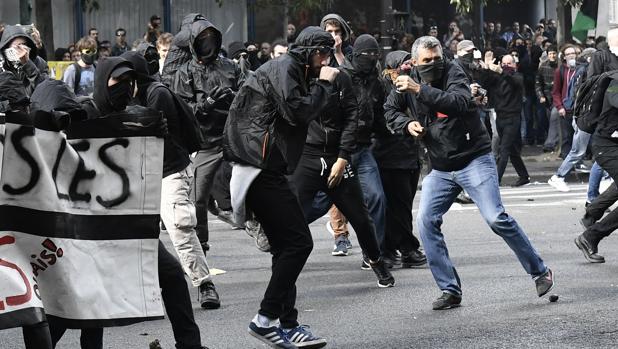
(269, 138)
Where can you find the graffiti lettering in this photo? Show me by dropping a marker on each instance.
(63, 146)
(81, 174)
(119, 170)
(17, 299)
(35, 173)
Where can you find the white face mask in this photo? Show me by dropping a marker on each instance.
(614, 50)
(571, 63)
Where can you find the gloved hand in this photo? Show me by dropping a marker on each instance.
(216, 97)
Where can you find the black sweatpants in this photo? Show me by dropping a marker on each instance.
(177, 301)
(606, 155)
(276, 207)
(311, 177)
(37, 336)
(400, 188)
(508, 127)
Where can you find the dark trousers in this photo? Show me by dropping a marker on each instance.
(205, 164)
(221, 187)
(566, 134)
(508, 127)
(311, 177)
(276, 207)
(606, 155)
(37, 336)
(177, 301)
(400, 188)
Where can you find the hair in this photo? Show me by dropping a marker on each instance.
(85, 43)
(165, 39)
(154, 17)
(334, 23)
(552, 48)
(425, 42)
(279, 42)
(91, 29)
(120, 30)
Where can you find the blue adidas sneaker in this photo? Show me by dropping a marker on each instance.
(303, 338)
(273, 335)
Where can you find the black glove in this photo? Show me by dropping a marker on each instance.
(216, 97)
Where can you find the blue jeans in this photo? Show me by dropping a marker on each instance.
(578, 150)
(480, 180)
(371, 183)
(594, 181)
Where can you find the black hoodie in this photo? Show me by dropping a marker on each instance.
(395, 151)
(192, 82)
(102, 74)
(268, 121)
(35, 70)
(156, 96)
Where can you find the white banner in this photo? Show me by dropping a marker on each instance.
(79, 225)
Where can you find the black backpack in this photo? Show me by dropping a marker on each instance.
(589, 100)
(190, 133)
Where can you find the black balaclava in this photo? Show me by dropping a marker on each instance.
(120, 95)
(365, 54)
(206, 46)
(431, 72)
(110, 99)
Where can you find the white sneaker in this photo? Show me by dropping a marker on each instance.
(558, 183)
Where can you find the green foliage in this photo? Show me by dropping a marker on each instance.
(465, 6)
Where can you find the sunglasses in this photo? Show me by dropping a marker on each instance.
(121, 34)
(433, 27)
(88, 51)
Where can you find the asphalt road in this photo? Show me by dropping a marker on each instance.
(342, 303)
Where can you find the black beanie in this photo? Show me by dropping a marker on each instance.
(365, 42)
(236, 48)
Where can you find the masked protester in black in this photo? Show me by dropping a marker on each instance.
(176, 176)
(325, 166)
(399, 163)
(150, 53)
(370, 97)
(207, 83)
(264, 137)
(31, 70)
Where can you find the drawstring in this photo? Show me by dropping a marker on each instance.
(323, 167)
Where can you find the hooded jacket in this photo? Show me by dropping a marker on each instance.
(35, 70)
(346, 34)
(102, 75)
(156, 96)
(455, 134)
(395, 151)
(602, 61)
(334, 131)
(192, 82)
(55, 97)
(269, 117)
(179, 52)
(370, 98)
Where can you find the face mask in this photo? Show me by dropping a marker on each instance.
(571, 62)
(153, 67)
(508, 69)
(614, 50)
(205, 49)
(120, 95)
(431, 72)
(467, 58)
(364, 64)
(89, 59)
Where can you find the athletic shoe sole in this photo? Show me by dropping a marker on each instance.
(452, 306)
(320, 343)
(340, 253)
(390, 284)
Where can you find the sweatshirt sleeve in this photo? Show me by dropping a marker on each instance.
(395, 113)
(556, 92)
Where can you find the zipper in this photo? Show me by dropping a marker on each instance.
(265, 145)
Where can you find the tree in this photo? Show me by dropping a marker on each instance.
(465, 6)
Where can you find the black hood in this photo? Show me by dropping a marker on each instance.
(140, 66)
(183, 37)
(305, 42)
(56, 96)
(345, 28)
(197, 27)
(396, 58)
(102, 74)
(13, 31)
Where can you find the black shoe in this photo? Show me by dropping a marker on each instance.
(414, 258)
(521, 181)
(385, 278)
(446, 301)
(586, 221)
(392, 259)
(544, 283)
(589, 249)
(365, 263)
(209, 298)
(205, 246)
(463, 198)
